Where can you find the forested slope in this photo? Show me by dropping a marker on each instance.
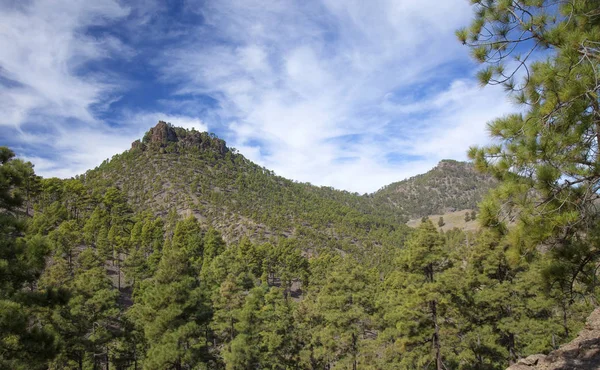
(450, 186)
(125, 267)
(196, 174)
(181, 254)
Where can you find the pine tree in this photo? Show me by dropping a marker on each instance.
(170, 307)
(419, 313)
(244, 350)
(340, 316)
(503, 313)
(65, 239)
(548, 157)
(24, 342)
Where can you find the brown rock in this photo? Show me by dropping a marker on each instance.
(581, 353)
(138, 145)
(162, 134)
(532, 360)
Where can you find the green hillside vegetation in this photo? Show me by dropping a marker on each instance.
(451, 186)
(182, 254)
(108, 276)
(196, 174)
(451, 220)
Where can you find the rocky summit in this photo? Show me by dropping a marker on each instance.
(166, 137)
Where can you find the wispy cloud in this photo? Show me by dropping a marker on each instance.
(43, 46)
(329, 92)
(350, 94)
(54, 84)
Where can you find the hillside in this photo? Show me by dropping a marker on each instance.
(180, 253)
(196, 174)
(451, 220)
(450, 186)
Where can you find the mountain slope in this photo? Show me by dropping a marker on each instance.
(450, 186)
(195, 173)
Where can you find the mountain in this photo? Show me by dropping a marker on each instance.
(106, 273)
(195, 173)
(450, 186)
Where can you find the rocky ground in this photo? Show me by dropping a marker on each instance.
(583, 353)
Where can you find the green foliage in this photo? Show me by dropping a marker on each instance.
(451, 185)
(231, 193)
(170, 307)
(548, 156)
(24, 342)
(308, 278)
(423, 304)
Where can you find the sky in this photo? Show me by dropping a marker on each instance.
(351, 94)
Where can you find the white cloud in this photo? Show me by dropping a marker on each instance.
(80, 148)
(77, 150)
(325, 92)
(47, 97)
(43, 45)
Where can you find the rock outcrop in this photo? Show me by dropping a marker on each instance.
(582, 353)
(161, 134)
(165, 137)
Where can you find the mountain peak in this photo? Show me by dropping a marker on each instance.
(162, 134)
(450, 186)
(166, 137)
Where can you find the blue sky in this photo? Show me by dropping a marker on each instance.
(351, 94)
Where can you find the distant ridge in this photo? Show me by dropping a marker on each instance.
(195, 173)
(450, 186)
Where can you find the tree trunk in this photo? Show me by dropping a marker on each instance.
(436, 336)
(354, 350)
(511, 349)
(565, 322)
(119, 272)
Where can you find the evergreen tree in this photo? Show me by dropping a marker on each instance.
(340, 317)
(24, 342)
(553, 146)
(503, 312)
(422, 303)
(84, 325)
(170, 308)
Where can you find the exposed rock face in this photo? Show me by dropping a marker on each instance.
(137, 145)
(582, 353)
(163, 136)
